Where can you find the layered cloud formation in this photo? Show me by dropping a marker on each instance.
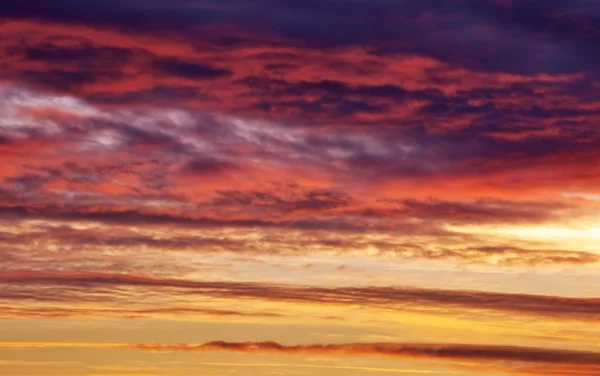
(378, 176)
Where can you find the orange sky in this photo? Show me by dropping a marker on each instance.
(299, 188)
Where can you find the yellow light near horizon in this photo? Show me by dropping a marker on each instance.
(554, 232)
(561, 238)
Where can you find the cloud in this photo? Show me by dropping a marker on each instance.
(81, 284)
(311, 200)
(35, 247)
(220, 144)
(208, 166)
(63, 312)
(441, 351)
(190, 70)
(442, 121)
(513, 359)
(135, 217)
(145, 144)
(473, 212)
(542, 36)
(302, 180)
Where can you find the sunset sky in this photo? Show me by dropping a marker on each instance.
(299, 187)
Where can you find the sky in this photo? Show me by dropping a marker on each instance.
(286, 187)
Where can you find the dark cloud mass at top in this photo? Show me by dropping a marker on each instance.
(524, 37)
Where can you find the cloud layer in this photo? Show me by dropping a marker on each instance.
(350, 166)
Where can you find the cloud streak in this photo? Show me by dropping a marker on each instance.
(391, 298)
(514, 359)
(442, 351)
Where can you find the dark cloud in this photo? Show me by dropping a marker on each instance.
(84, 55)
(159, 94)
(314, 200)
(65, 68)
(61, 80)
(190, 70)
(335, 89)
(208, 166)
(135, 217)
(484, 211)
(402, 350)
(532, 37)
